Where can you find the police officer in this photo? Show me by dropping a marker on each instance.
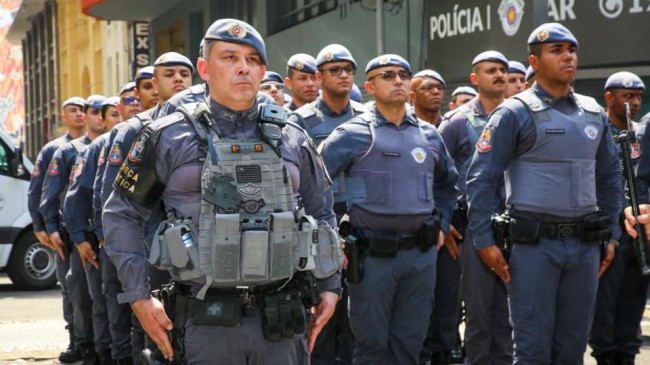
(392, 163)
(336, 69)
(560, 167)
(233, 65)
(487, 332)
(530, 77)
(273, 85)
(426, 96)
(301, 80)
(172, 74)
(516, 82)
(145, 90)
(615, 336)
(129, 102)
(73, 118)
(53, 193)
(460, 96)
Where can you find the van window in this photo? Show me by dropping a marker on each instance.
(5, 156)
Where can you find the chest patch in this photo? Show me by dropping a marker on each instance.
(419, 155)
(591, 132)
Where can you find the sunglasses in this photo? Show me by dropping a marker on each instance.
(268, 87)
(337, 70)
(390, 75)
(130, 100)
(430, 86)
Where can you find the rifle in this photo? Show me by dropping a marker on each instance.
(625, 139)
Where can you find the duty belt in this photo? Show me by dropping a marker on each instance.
(560, 230)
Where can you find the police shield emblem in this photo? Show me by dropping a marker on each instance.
(54, 169)
(236, 30)
(135, 155)
(115, 156)
(384, 60)
(299, 65)
(76, 170)
(635, 150)
(419, 155)
(484, 143)
(591, 132)
(37, 169)
(542, 35)
(102, 157)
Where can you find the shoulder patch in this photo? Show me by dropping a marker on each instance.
(135, 154)
(484, 143)
(76, 170)
(37, 170)
(102, 156)
(54, 169)
(115, 156)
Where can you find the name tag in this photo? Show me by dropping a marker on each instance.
(391, 154)
(555, 131)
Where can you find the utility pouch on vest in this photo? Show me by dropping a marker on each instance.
(255, 251)
(216, 310)
(595, 227)
(524, 231)
(282, 315)
(158, 254)
(430, 231)
(282, 243)
(226, 248)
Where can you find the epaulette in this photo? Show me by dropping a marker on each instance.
(589, 104)
(358, 107)
(307, 110)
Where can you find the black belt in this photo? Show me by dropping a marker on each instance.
(405, 241)
(561, 230)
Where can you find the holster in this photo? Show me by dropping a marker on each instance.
(430, 231)
(595, 227)
(175, 304)
(91, 237)
(502, 233)
(283, 314)
(459, 217)
(524, 231)
(67, 242)
(355, 254)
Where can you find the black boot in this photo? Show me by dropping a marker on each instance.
(125, 361)
(104, 358)
(88, 354)
(440, 358)
(606, 358)
(71, 354)
(624, 359)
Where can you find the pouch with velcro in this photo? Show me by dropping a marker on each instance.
(158, 252)
(524, 231)
(330, 255)
(217, 310)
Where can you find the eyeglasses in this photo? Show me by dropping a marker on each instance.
(130, 100)
(390, 75)
(337, 70)
(430, 86)
(268, 87)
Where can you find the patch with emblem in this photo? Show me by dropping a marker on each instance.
(329, 56)
(391, 154)
(250, 190)
(628, 82)
(635, 150)
(384, 60)
(237, 30)
(419, 155)
(37, 169)
(115, 156)
(555, 131)
(54, 169)
(484, 143)
(102, 157)
(542, 35)
(228, 116)
(76, 170)
(253, 206)
(591, 132)
(299, 65)
(135, 154)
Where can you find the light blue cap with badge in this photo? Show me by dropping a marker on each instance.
(355, 93)
(237, 31)
(624, 80)
(129, 86)
(75, 100)
(516, 67)
(144, 73)
(112, 101)
(530, 73)
(95, 101)
(173, 59)
(334, 53)
(272, 76)
(464, 90)
(302, 62)
(551, 32)
(490, 56)
(432, 74)
(388, 60)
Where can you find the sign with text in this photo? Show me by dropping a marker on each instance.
(140, 33)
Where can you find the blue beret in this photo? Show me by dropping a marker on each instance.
(237, 31)
(355, 93)
(112, 101)
(129, 86)
(334, 53)
(272, 76)
(302, 62)
(624, 80)
(95, 101)
(551, 32)
(530, 73)
(75, 100)
(490, 56)
(144, 73)
(173, 59)
(464, 90)
(388, 60)
(432, 74)
(516, 67)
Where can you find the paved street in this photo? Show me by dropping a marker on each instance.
(32, 330)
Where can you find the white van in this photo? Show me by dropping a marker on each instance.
(30, 265)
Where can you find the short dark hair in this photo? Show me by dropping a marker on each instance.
(103, 110)
(535, 49)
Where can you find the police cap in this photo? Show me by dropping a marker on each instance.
(624, 80)
(490, 56)
(75, 100)
(551, 32)
(95, 101)
(302, 62)
(272, 76)
(237, 31)
(173, 59)
(464, 90)
(111, 101)
(516, 67)
(530, 73)
(355, 93)
(388, 60)
(432, 74)
(144, 74)
(334, 53)
(129, 86)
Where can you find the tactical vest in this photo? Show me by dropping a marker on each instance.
(250, 231)
(475, 125)
(395, 175)
(557, 175)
